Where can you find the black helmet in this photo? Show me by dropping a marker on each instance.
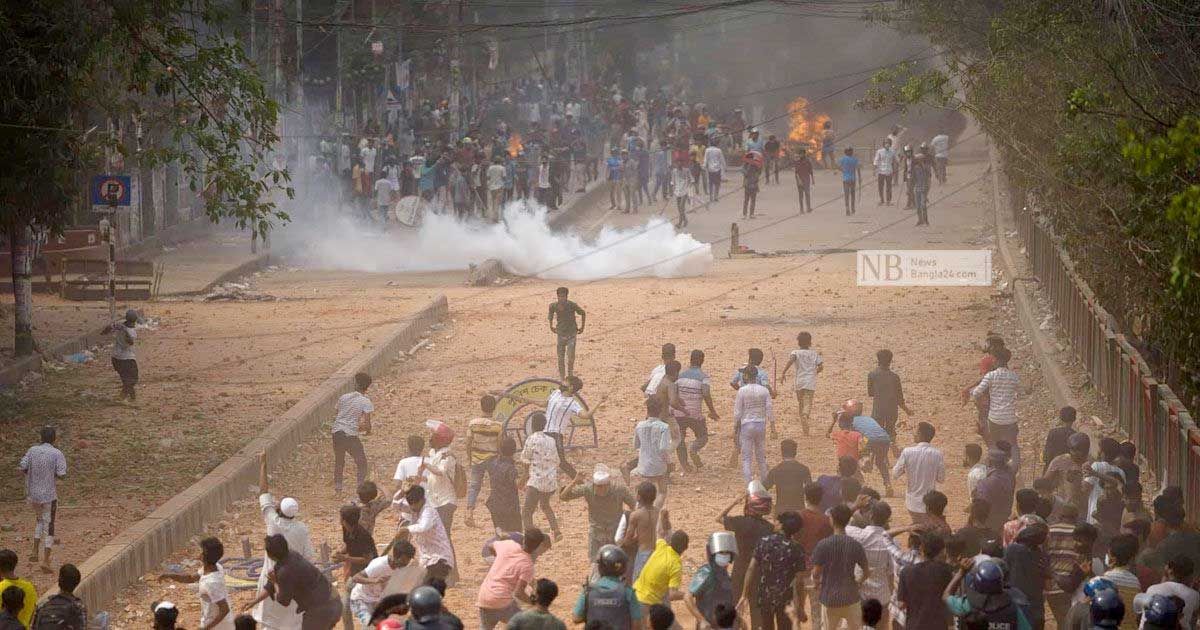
(1162, 612)
(425, 603)
(986, 578)
(611, 560)
(1107, 609)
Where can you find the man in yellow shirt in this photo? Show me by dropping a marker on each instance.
(483, 443)
(8, 577)
(662, 575)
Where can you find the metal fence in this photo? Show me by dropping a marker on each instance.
(1146, 411)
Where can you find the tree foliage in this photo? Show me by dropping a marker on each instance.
(157, 81)
(1095, 108)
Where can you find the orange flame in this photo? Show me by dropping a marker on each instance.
(805, 130)
(514, 144)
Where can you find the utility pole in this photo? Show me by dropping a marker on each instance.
(253, 31)
(300, 56)
(456, 73)
(277, 47)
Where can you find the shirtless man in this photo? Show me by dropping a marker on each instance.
(669, 401)
(640, 531)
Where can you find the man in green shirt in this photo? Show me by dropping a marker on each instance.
(605, 502)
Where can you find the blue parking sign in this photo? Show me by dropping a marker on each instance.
(106, 188)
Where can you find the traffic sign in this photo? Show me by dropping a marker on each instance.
(107, 188)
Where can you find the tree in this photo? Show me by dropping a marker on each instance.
(153, 81)
(1093, 107)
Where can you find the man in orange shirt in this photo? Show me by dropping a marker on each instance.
(845, 439)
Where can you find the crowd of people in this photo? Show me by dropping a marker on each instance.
(1079, 545)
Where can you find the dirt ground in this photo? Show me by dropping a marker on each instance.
(235, 366)
(213, 374)
(500, 337)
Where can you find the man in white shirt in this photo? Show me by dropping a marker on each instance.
(440, 466)
(411, 470)
(216, 610)
(714, 165)
(385, 575)
(495, 185)
(885, 163)
(878, 547)
(751, 413)
(653, 443)
(561, 408)
(657, 374)
(427, 533)
(940, 145)
(384, 189)
(282, 520)
(1174, 584)
(540, 456)
(1001, 385)
(368, 154)
(925, 467)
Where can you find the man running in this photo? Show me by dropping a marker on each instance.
(43, 465)
(693, 388)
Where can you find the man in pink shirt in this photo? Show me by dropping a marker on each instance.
(509, 577)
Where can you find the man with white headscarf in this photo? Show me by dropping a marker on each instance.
(280, 520)
(605, 503)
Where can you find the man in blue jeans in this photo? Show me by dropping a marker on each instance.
(851, 173)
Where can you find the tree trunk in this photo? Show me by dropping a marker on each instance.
(20, 240)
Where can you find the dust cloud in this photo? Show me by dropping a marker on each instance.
(523, 242)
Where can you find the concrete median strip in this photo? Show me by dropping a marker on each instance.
(146, 543)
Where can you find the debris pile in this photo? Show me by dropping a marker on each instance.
(236, 292)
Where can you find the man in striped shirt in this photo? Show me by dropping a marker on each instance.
(353, 418)
(834, 560)
(695, 390)
(561, 408)
(1001, 385)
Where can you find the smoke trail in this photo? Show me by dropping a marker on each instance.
(523, 243)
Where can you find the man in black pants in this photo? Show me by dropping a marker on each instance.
(353, 419)
(296, 579)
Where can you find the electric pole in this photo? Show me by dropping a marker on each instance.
(456, 73)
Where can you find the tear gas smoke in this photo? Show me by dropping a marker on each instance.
(523, 243)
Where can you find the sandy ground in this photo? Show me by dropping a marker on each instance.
(499, 337)
(213, 374)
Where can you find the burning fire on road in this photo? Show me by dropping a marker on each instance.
(805, 129)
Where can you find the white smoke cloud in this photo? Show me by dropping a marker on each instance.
(523, 243)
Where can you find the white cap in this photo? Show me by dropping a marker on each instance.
(163, 604)
(289, 507)
(757, 489)
(600, 474)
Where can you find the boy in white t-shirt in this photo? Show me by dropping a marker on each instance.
(411, 469)
(394, 572)
(808, 365)
(215, 609)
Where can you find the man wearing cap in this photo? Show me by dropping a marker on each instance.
(997, 489)
(282, 521)
(440, 464)
(124, 361)
(605, 503)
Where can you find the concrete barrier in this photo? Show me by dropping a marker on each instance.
(146, 543)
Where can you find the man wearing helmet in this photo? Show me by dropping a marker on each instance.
(711, 585)
(609, 599)
(986, 593)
